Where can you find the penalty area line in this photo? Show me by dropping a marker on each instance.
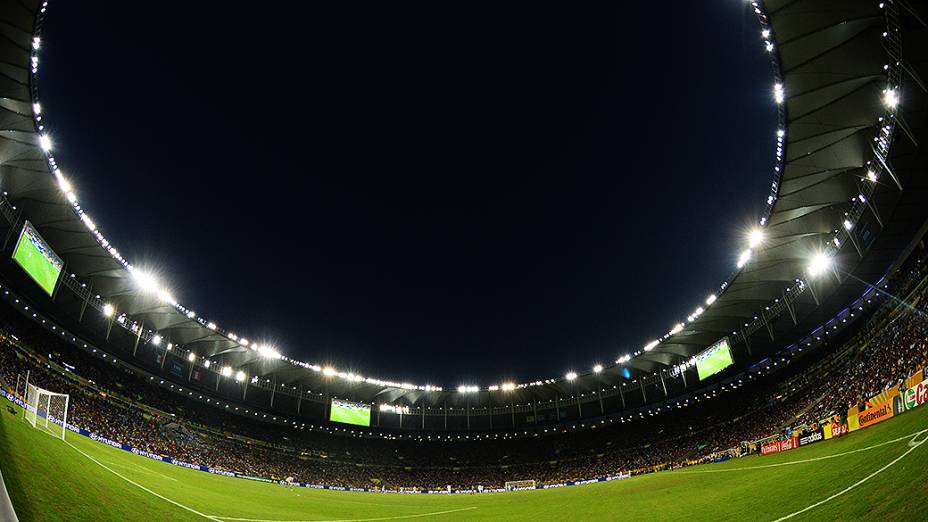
(136, 484)
(397, 517)
(913, 446)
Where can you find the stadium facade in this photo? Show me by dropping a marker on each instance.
(846, 207)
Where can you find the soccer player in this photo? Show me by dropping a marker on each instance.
(289, 481)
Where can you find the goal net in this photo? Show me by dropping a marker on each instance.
(47, 410)
(519, 484)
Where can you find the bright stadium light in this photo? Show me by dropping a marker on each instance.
(170, 346)
(571, 376)
(239, 376)
(108, 310)
(45, 142)
(820, 263)
(650, 346)
(778, 92)
(597, 368)
(156, 340)
(192, 357)
(677, 328)
(271, 353)
(206, 363)
(755, 237)
(891, 98)
(711, 299)
(848, 225)
(744, 257)
(508, 386)
(871, 176)
(328, 371)
(226, 371)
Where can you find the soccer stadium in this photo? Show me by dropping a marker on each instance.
(792, 390)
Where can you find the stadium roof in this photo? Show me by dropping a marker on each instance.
(844, 195)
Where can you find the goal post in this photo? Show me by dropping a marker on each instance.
(513, 485)
(47, 410)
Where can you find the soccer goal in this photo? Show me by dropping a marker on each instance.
(47, 410)
(519, 484)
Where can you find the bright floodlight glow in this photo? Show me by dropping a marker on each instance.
(508, 386)
(755, 237)
(270, 353)
(598, 368)
(239, 376)
(211, 325)
(650, 346)
(45, 142)
(848, 225)
(711, 299)
(677, 328)
(328, 371)
(145, 281)
(571, 376)
(156, 340)
(744, 257)
(891, 98)
(871, 176)
(226, 371)
(108, 310)
(778, 93)
(192, 357)
(206, 363)
(765, 33)
(820, 263)
(170, 345)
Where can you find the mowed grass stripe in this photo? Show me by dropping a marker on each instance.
(756, 492)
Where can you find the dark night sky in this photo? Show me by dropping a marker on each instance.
(442, 192)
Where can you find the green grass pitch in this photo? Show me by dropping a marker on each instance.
(884, 467)
(34, 263)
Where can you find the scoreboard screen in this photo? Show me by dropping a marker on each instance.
(37, 259)
(714, 359)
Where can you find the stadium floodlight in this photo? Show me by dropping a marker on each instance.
(328, 371)
(239, 376)
(871, 176)
(755, 237)
(819, 264)
(156, 340)
(891, 98)
(206, 363)
(571, 376)
(676, 329)
(711, 299)
(36, 108)
(650, 346)
(271, 353)
(765, 33)
(778, 92)
(108, 310)
(744, 257)
(191, 357)
(848, 225)
(211, 325)
(170, 346)
(226, 371)
(45, 142)
(597, 368)
(508, 386)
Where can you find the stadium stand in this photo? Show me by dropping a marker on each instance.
(116, 402)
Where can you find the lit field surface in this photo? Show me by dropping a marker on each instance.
(875, 474)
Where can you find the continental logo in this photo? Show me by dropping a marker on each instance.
(876, 414)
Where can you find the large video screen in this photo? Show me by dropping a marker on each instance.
(714, 359)
(33, 254)
(350, 413)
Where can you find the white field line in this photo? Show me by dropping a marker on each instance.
(143, 488)
(913, 445)
(804, 461)
(140, 469)
(398, 517)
